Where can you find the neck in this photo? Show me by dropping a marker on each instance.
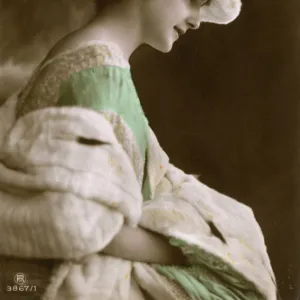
(119, 24)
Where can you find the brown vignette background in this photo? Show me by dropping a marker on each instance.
(224, 104)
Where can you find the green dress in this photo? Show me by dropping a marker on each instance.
(101, 86)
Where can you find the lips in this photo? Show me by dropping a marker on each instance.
(179, 31)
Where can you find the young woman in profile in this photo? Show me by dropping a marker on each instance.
(184, 240)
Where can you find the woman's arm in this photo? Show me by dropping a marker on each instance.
(139, 244)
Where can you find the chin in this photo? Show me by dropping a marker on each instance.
(163, 47)
(165, 50)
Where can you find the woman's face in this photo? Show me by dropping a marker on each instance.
(164, 21)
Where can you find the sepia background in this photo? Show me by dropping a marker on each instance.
(224, 104)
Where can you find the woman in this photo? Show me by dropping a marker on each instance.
(80, 159)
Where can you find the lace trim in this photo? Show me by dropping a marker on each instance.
(114, 49)
(43, 88)
(127, 140)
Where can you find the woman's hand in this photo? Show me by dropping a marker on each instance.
(138, 244)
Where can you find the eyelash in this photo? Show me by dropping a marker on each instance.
(201, 2)
(206, 3)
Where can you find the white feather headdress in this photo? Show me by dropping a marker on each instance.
(221, 11)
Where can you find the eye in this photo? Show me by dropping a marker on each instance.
(203, 2)
(199, 3)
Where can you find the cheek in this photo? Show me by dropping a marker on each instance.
(171, 13)
(161, 19)
(168, 20)
(160, 26)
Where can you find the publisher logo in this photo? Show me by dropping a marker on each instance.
(20, 278)
(20, 284)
